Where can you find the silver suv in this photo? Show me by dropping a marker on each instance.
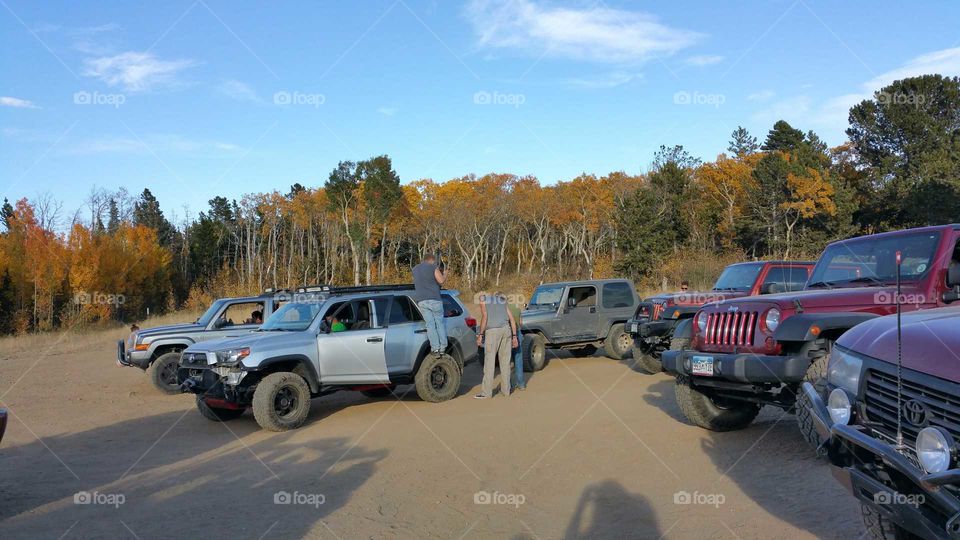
(368, 339)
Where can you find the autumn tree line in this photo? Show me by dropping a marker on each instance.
(784, 195)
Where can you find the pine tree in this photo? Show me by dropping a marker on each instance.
(742, 144)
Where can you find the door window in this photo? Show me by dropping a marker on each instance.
(617, 295)
(403, 311)
(786, 278)
(450, 307)
(582, 296)
(241, 313)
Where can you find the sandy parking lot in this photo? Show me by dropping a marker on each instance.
(593, 449)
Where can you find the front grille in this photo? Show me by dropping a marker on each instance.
(730, 328)
(658, 308)
(880, 397)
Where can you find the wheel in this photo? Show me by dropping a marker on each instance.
(816, 375)
(618, 342)
(534, 352)
(646, 361)
(378, 392)
(281, 401)
(217, 414)
(703, 411)
(882, 528)
(584, 351)
(163, 372)
(438, 378)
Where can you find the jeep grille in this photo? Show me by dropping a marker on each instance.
(730, 328)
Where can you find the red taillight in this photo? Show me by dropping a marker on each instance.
(472, 323)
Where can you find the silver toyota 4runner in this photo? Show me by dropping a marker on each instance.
(157, 350)
(367, 339)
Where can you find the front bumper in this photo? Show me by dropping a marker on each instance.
(137, 359)
(914, 500)
(742, 367)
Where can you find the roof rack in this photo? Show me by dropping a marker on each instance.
(313, 288)
(372, 288)
(270, 291)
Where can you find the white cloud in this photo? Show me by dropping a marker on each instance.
(18, 103)
(387, 111)
(598, 34)
(239, 91)
(159, 144)
(135, 71)
(607, 80)
(704, 60)
(762, 95)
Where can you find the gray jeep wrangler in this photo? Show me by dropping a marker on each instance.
(157, 350)
(578, 316)
(367, 339)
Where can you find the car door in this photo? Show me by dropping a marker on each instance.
(355, 354)
(233, 320)
(406, 335)
(578, 316)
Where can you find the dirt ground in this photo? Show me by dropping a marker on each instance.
(593, 449)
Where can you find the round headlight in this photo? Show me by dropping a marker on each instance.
(772, 319)
(934, 449)
(702, 322)
(838, 404)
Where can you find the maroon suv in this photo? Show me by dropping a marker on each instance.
(755, 351)
(913, 489)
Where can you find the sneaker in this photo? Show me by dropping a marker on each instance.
(521, 388)
(479, 396)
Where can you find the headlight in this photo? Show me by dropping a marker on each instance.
(772, 319)
(702, 322)
(843, 371)
(838, 404)
(934, 449)
(232, 357)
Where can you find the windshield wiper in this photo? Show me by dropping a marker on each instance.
(866, 279)
(826, 284)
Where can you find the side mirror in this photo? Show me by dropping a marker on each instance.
(219, 323)
(571, 302)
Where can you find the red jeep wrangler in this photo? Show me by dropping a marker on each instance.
(755, 351)
(656, 317)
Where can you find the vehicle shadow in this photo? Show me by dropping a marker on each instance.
(173, 475)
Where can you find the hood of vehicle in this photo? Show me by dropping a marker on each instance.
(695, 298)
(825, 299)
(170, 329)
(538, 314)
(931, 343)
(255, 340)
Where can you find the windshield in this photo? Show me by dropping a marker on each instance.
(874, 261)
(294, 317)
(547, 295)
(210, 312)
(739, 277)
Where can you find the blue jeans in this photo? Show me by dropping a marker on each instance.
(518, 363)
(436, 329)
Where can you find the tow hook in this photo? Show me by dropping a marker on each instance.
(187, 385)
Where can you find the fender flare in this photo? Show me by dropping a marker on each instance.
(163, 343)
(686, 312)
(684, 328)
(313, 378)
(797, 328)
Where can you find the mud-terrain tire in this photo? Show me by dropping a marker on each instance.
(217, 414)
(704, 412)
(816, 375)
(646, 361)
(377, 393)
(163, 373)
(882, 528)
(438, 378)
(281, 401)
(618, 342)
(584, 352)
(534, 352)
(679, 343)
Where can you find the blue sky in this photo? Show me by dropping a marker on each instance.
(201, 98)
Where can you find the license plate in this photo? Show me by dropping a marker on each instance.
(633, 328)
(702, 365)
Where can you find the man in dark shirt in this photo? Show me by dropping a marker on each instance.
(427, 279)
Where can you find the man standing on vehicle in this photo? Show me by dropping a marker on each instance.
(427, 279)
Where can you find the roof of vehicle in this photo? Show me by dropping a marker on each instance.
(790, 263)
(933, 228)
(588, 281)
(323, 292)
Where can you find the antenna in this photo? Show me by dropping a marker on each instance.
(900, 445)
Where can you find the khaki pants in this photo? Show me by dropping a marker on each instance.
(496, 345)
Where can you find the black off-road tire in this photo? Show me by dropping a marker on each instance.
(281, 401)
(679, 343)
(583, 352)
(618, 343)
(438, 378)
(377, 393)
(646, 361)
(704, 412)
(217, 414)
(882, 528)
(534, 352)
(163, 373)
(817, 376)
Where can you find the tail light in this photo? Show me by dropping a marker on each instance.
(472, 323)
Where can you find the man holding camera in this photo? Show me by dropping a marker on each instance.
(427, 279)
